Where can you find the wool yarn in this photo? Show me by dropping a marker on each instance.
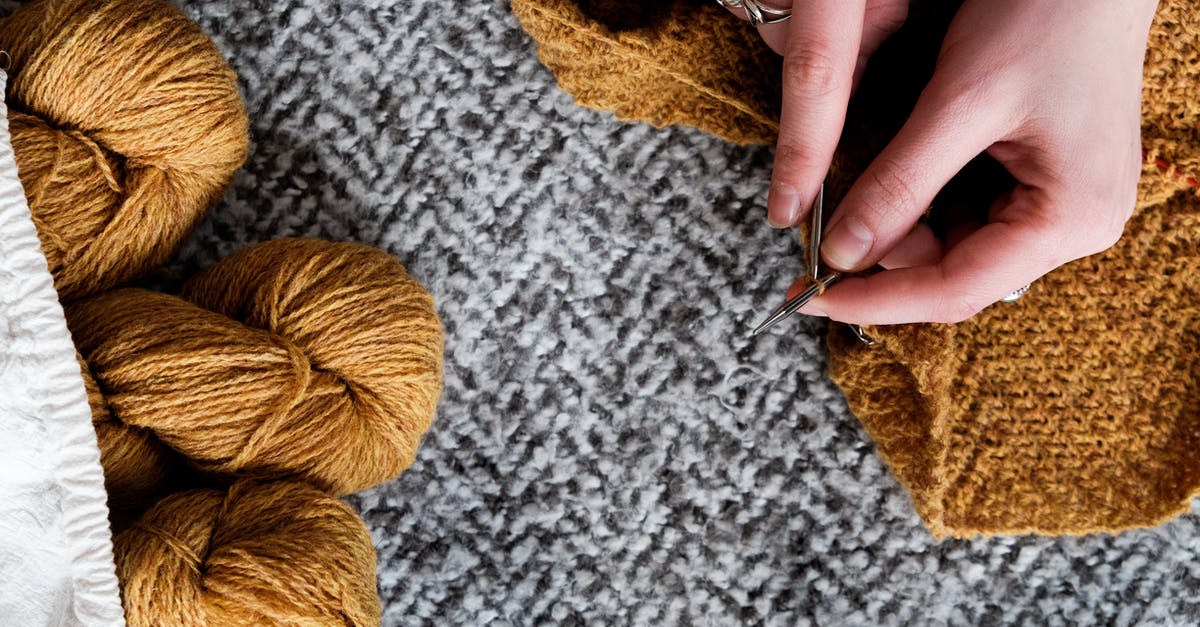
(1071, 411)
(138, 467)
(295, 358)
(126, 125)
(255, 554)
(669, 62)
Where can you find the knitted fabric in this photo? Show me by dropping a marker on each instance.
(1073, 410)
(671, 62)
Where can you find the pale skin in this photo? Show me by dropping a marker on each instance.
(1050, 89)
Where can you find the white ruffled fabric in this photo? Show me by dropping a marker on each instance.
(56, 563)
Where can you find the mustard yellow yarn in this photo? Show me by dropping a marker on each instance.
(255, 554)
(1074, 410)
(126, 125)
(296, 358)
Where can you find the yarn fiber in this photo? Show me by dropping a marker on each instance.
(295, 358)
(256, 554)
(126, 126)
(1074, 410)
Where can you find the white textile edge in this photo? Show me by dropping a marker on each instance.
(48, 452)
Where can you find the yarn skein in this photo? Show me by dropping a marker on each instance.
(126, 126)
(138, 468)
(256, 554)
(295, 358)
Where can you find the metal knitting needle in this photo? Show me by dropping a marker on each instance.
(814, 269)
(814, 236)
(792, 305)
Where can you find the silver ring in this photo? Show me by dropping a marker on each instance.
(757, 13)
(1015, 296)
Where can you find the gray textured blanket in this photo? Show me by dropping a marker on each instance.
(611, 447)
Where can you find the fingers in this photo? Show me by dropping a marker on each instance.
(882, 18)
(818, 69)
(985, 267)
(775, 35)
(920, 247)
(947, 129)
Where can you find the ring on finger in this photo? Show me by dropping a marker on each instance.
(757, 13)
(1015, 296)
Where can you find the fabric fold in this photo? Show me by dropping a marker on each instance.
(55, 542)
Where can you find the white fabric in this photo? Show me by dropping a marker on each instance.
(56, 565)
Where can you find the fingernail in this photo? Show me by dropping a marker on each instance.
(847, 243)
(783, 206)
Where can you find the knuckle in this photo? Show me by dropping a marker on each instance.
(955, 308)
(1122, 211)
(1110, 231)
(1054, 239)
(893, 197)
(1106, 228)
(794, 157)
(1112, 202)
(1114, 231)
(889, 16)
(955, 303)
(811, 70)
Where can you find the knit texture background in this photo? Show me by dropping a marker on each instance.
(611, 446)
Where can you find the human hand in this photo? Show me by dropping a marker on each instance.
(825, 47)
(1051, 92)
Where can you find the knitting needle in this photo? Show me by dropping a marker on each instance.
(814, 273)
(814, 270)
(814, 235)
(792, 305)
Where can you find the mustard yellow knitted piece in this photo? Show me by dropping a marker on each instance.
(677, 62)
(1074, 410)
